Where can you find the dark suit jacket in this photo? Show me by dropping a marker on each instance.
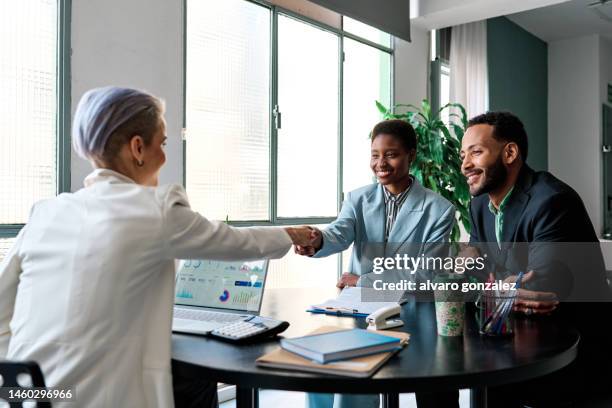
(547, 229)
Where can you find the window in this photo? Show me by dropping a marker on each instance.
(366, 79)
(440, 68)
(308, 102)
(366, 32)
(227, 110)
(278, 112)
(31, 112)
(607, 168)
(445, 90)
(5, 246)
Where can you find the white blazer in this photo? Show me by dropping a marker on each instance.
(88, 288)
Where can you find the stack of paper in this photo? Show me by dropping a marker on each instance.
(350, 302)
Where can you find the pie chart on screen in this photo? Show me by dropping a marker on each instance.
(224, 296)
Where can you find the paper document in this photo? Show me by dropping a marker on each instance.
(349, 302)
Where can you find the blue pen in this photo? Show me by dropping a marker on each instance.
(518, 280)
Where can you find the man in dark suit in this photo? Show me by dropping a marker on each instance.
(533, 222)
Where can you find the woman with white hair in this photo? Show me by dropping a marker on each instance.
(87, 289)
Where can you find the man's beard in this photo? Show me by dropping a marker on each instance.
(495, 176)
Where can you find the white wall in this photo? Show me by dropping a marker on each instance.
(411, 68)
(574, 118)
(134, 43)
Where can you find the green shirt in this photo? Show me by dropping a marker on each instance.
(499, 216)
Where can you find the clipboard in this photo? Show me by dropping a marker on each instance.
(338, 312)
(349, 303)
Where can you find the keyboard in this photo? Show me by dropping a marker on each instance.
(256, 328)
(240, 330)
(206, 316)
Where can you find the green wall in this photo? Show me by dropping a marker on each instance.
(518, 82)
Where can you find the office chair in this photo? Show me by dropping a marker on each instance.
(10, 370)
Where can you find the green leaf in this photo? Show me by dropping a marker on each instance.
(464, 120)
(381, 108)
(458, 131)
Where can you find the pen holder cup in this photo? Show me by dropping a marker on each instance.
(494, 313)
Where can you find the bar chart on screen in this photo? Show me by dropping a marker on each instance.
(230, 285)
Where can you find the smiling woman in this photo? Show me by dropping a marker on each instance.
(392, 153)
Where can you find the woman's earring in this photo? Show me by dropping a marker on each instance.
(140, 163)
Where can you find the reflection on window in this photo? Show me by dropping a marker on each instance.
(28, 107)
(308, 137)
(366, 79)
(227, 111)
(365, 31)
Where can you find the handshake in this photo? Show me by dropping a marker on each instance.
(307, 240)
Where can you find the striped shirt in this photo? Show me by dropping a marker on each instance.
(393, 203)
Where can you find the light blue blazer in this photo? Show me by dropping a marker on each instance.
(423, 218)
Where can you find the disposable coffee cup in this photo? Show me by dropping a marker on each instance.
(450, 304)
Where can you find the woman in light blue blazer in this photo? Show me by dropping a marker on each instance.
(393, 212)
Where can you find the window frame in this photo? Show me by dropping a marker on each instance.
(275, 11)
(62, 124)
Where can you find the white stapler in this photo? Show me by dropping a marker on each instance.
(378, 319)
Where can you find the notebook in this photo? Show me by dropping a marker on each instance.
(340, 345)
(361, 367)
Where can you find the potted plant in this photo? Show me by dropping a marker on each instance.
(437, 165)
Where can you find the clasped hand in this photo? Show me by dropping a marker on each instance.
(309, 249)
(305, 237)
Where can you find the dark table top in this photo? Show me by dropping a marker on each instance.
(430, 362)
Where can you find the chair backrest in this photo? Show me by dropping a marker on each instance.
(10, 370)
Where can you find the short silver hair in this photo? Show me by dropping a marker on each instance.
(104, 112)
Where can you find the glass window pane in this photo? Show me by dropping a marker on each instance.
(445, 91)
(365, 31)
(227, 111)
(296, 271)
(5, 246)
(28, 107)
(607, 168)
(346, 258)
(308, 138)
(367, 78)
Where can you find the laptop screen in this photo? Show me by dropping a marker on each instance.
(221, 284)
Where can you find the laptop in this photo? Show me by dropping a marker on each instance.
(212, 294)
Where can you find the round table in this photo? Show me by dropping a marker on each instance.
(429, 362)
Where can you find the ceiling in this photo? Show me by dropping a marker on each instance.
(567, 20)
(434, 14)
